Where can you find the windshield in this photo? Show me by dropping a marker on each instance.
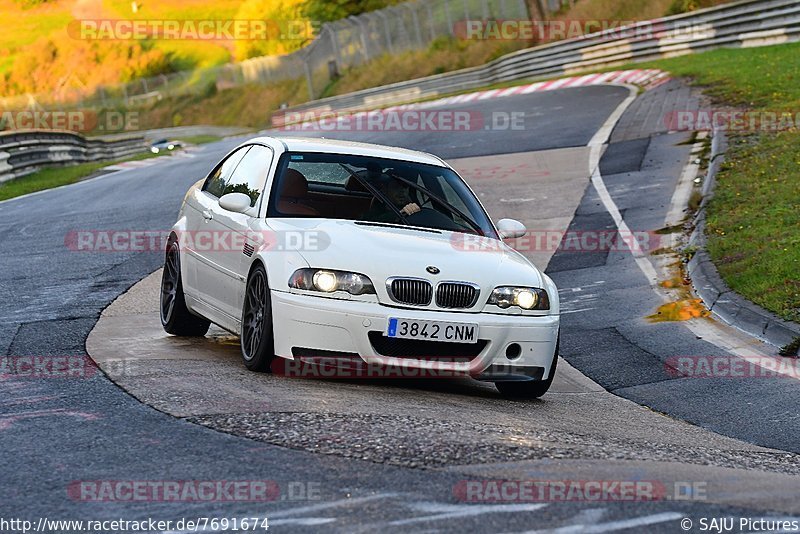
(375, 190)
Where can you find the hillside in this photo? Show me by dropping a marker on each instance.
(45, 51)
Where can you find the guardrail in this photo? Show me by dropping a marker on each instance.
(23, 152)
(742, 24)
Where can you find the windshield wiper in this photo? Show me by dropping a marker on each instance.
(444, 203)
(375, 192)
(395, 225)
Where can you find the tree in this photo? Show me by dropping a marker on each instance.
(286, 28)
(330, 10)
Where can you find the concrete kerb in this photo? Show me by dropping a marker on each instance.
(709, 286)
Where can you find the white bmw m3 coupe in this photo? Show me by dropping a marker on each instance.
(313, 248)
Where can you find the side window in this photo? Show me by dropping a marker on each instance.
(250, 175)
(215, 184)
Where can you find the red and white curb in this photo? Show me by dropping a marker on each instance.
(647, 79)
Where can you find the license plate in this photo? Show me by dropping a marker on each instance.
(432, 330)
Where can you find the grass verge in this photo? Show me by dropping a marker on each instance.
(753, 223)
(51, 177)
(200, 139)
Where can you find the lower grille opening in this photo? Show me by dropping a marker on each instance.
(303, 352)
(425, 350)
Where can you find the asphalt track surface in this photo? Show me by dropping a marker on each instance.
(55, 432)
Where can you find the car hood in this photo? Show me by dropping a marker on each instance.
(381, 252)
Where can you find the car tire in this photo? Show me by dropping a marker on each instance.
(257, 338)
(175, 316)
(532, 389)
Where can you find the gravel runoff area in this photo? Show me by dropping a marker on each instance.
(427, 443)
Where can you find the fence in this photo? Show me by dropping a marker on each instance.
(414, 25)
(23, 152)
(742, 24)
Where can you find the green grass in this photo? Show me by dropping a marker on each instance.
(758, 78)
(51, 177)
(753, 223)
(200, 139)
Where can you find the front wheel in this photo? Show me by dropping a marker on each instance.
(258, 346)
(532, 389)
(175, 316)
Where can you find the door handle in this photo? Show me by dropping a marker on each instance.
(207, 215)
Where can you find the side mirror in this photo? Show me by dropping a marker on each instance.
(238, 202)
(510, 228)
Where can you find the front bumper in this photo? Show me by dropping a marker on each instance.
(342, 326)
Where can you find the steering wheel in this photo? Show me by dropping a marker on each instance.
(423, 199)
(432, 218)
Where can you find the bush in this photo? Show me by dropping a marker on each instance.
(685, 6)
(281, 16)
(61, 65)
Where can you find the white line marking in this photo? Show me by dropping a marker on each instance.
(613, 525)
(303, 521)
(333, 504)
(451, 511)
(596, 145)
(567, 312)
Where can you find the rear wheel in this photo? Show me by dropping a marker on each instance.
(175, 316)
(258, 345)
(532, 389)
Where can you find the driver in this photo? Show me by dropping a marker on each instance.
(397, 192)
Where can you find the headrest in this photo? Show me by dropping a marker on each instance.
(294, 184)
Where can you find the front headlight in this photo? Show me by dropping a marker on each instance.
(328, 281)
(527, 298)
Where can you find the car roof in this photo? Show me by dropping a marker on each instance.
(335, 146)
